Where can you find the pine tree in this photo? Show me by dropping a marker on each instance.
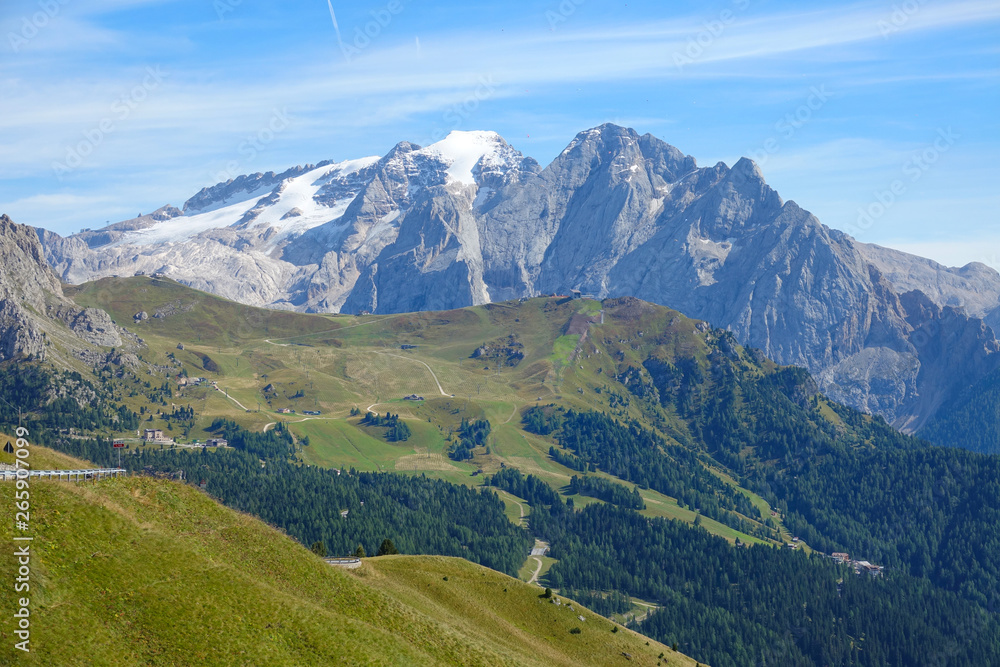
(387, 548)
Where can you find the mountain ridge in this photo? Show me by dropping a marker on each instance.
(614, 214)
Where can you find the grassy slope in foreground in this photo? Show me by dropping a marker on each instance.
(143, 571)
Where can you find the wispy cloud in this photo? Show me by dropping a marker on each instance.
(548, 81)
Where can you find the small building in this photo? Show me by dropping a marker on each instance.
(216, 442)
(286, 411)
(575, 293)
(413, 397)
(407, 346)
(152, 434)
(864, 567)
(840, 557)
(310, 412)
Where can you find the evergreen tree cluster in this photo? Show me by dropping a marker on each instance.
(970, 420)
(396, 429)
(418, 515)
(275, 444)
(542, 420)
(932, 512)
(606, 490)
(53, 400)
(641, 456)
(534, 491)
(761, 605)
(470, 435)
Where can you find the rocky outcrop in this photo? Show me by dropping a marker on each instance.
(470, 220)
(19, 338)
(32, 304)
(26, 285)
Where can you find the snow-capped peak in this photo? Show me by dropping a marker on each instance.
(290, 208)
(462, 151)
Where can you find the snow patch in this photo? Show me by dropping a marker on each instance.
(709, 256)
(298, 192)
(462, 151)
(236, 198)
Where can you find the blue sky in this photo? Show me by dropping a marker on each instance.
(879, 117)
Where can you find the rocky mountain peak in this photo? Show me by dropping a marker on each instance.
(469, 219)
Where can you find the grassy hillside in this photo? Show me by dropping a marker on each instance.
(488, 362)
(658, 410)
(144, 571)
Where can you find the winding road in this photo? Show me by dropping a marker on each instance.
(537, 552)
(440, 388)
(233, 399)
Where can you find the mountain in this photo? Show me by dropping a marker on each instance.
(153, 572)
(469, 220)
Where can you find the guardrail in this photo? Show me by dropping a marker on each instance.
(69, 475)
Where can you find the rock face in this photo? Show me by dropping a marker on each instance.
(32, 302)
(26, 285)
(470, 220)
